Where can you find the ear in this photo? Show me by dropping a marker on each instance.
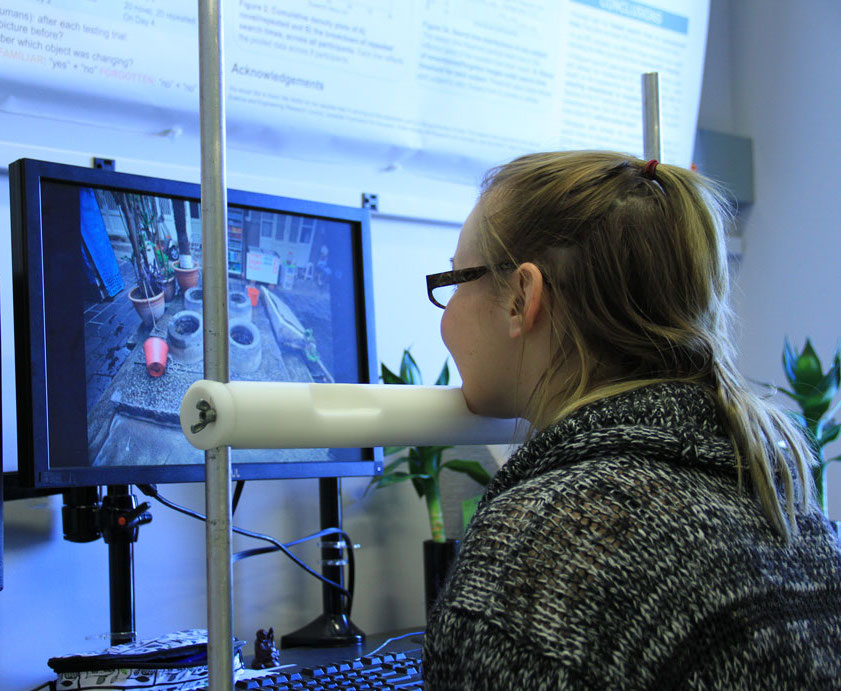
(527, 299)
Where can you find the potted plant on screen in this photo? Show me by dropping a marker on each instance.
(815, 393)
(185, 268)
(147, 295)
(422, 466)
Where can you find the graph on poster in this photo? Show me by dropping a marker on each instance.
(444, 84)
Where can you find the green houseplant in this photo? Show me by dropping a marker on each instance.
(815, 393)
(423, 465)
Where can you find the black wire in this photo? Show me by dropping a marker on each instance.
(237, 494)
(151, 491)
(244, 554)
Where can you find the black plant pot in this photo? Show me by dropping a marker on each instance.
(438, 558)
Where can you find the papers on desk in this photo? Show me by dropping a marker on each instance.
(176, 662)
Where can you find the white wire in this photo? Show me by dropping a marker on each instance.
(390, 640)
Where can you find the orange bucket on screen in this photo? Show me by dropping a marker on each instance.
(156, 351)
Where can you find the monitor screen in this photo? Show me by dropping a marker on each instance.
(108, 308)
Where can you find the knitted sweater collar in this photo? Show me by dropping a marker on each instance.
(674, 422)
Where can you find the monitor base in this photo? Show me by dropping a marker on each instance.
(325, 630)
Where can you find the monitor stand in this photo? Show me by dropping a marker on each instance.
(333, 626)
(121, 521)
(117, 518)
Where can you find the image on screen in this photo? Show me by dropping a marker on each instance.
(143, 316)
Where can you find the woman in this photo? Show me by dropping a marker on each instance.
(656, 531)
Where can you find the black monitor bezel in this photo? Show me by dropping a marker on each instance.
(32, 353)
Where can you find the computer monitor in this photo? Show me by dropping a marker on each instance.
(108, 297)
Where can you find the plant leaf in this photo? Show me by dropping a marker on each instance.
(472, 468)
(828, 385)
(792, 395)
(807, 371)
(829, 433)
(389, 377)
(444, 377)
(418, 469)
(415, 461)
(431, 459)
(789, 358)
(409, 370)
(468, 510)
(420, 488)
(813, 411)
(397, 476)
(391, 450)
(394, 464)
(433, 449)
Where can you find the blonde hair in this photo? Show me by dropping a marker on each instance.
(635, 265)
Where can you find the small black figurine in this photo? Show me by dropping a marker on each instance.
(265, 653)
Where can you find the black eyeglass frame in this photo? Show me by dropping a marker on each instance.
(458, 276)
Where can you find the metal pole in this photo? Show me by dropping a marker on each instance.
(216, 367)
(650, 116)
(120, 568)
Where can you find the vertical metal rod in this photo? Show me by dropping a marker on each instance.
(650, 116)
(330, 511)
(214, 208)
(121, 568)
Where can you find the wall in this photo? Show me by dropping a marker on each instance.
(785, 65)
(767, 69)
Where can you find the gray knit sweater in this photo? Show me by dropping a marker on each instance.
(615, 550)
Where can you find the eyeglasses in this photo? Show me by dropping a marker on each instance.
(441, 287)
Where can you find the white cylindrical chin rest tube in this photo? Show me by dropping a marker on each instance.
(275, 415)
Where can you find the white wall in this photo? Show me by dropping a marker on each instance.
(771, 75)
(785, 66)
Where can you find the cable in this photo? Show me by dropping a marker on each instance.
(244, 554)
(237, 494)
(151, 491)
(390, 640)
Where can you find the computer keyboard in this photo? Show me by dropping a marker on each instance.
(398, 670)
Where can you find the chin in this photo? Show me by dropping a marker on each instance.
(479, 405)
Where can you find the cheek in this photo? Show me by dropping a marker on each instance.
(455, 332)
(447, 324)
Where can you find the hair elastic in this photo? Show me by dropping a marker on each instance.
(648, 171)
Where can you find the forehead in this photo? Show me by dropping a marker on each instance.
(467, 250)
